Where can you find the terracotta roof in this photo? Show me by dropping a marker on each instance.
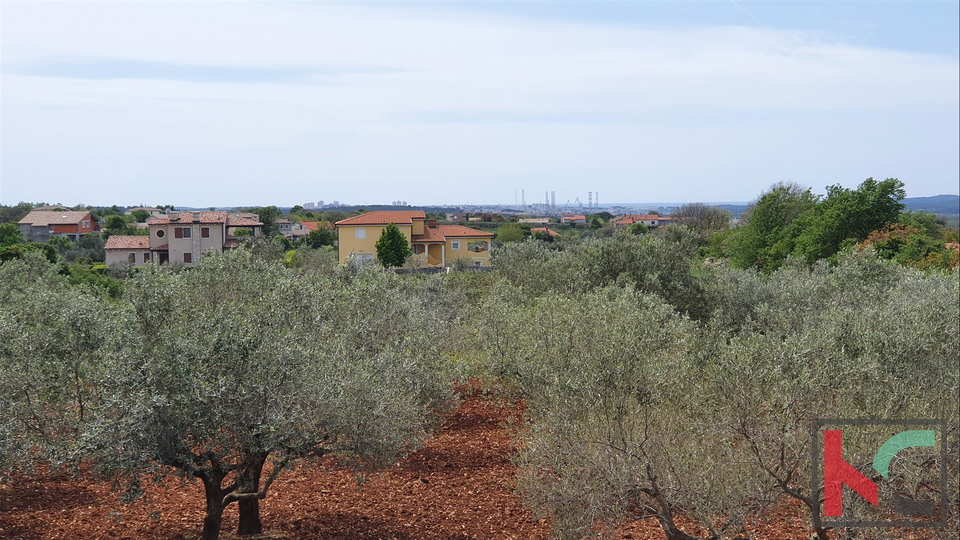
(400, 217)
(232, 243)
(442, 232)
(187, 217)
(575, 218)
(161, 247)
(547, 230)
(240, 221)
(41, 218)
(310, 225)
(127, 242)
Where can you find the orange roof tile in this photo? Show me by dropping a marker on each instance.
(41, 218)
(441, 232)
(404, 217)
(574, 218)
(187, 217)
(310, 225)
(241, 221)
(127, 242)
(547, 230)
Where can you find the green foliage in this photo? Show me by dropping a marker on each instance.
(140, 215)
(81, 275)
(393, 248)
(17, 251)
(9, 235)
(251, 373)
(638, 229)
(789, 220)
(512, 232)
(320, 237)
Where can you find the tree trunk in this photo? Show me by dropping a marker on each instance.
(214, 519)
(250, 508)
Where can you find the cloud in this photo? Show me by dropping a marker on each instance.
(445, 93)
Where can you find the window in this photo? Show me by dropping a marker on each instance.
(178, 233)
(478, 263)
(86, 224)
(161, 233)
(188, 258)
(187, 232)
(204, 232)
(455, 245)
(361, 233)
(146, 257)
(132, 257)
(418, 249)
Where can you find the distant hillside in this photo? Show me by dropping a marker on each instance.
(938, 204)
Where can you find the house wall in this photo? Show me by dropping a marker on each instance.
(464, 253)
(123, 255)
(195, 245)
(348, 242)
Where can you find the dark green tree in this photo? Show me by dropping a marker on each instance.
(638, 229)
(9, 234)
(141, 216)
(393, 249)
(320, 237)
(511, 232)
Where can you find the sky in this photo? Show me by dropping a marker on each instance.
(230, 103)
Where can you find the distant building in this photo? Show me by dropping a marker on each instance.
(650, 220)
(573, 219)
(457, 217)
(537, 221)
(180, 236)
(41, 225)
(432, 244)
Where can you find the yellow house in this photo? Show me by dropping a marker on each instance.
(432, 244)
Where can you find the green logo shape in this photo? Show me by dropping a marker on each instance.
(904, 439)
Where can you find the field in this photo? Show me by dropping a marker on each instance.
(457, 486)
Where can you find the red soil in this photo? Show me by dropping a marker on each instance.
(457, 486)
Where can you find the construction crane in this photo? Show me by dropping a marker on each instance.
(579, 204)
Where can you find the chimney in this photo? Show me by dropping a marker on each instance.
(174, 216)
(432, 223)
(196, 217)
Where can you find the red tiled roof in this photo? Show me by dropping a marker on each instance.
(459, 231)
(161, 247)
(240, 221)
(127, 242)
(310, 225)
(575, 218)
(41, 218)
(400, 217)
(232, 243)
(547, 230)
(187, 217)
(442, 232)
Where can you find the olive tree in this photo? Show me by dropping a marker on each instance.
(238, 367)
(611, 428)
(866, 339)
(53, 338)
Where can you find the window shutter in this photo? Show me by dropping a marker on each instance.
(178, 233)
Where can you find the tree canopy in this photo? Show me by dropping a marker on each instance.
(393, 248)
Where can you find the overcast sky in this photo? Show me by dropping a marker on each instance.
(441, 102)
